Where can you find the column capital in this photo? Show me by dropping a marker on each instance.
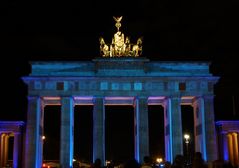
(174, 97)
(141, 97)
(165, 102)
(33, 97)
(223, 132)
(98, 97)
(229, 134)
(95, 98)
(66, 97)
(17, 133)
(138, 98)
(209, 96)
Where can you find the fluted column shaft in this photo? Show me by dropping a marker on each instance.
(176, 137)
(167, 127)
(1, 149)
(211, 143)
(99, 129)
(142, 130)
(199, 118)
(235, 149)
(17, 150)
(67, 136)
(33, 144)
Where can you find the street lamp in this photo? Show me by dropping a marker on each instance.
(187, 140)
(159, 160)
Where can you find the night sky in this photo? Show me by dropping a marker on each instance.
(172, 30)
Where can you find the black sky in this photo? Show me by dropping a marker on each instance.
(171, 30)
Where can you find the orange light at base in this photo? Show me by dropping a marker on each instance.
(159, 160)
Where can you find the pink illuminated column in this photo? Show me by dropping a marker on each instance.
(33, 146)
(142, 130)
(99, 129)
(67, 132)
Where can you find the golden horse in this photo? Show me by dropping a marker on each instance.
(137, 48)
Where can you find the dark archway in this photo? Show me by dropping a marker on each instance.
(188, 128)
(83, 133)
(156, 131)
(51, 143)
(119, 127)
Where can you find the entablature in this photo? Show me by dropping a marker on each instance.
(11, 126)
(108, 86)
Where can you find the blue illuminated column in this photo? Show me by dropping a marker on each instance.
(33, 144)
(142, 130)
(17, 150)
(199, 119)
(99, 129)
(211, 143)
(167, 127)
(175, 131)
(67, 136)
(224, 145)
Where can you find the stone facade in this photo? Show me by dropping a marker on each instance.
(133, 81)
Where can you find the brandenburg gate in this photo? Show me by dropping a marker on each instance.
(121, 77)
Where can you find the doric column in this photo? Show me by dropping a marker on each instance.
(1, 148)
(99, 129)
(142, 130)
(230, 147)
(175, 131)
(6, 141)
(4, 149)
(17, 150)
(167, 127)
(199, 119)
(224, 145)
(33, 144)
(235, 149)
(67, 136)
(211, 143)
